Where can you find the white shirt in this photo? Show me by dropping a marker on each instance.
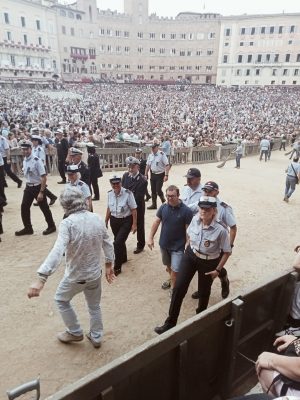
(191, 197)
(81, 237)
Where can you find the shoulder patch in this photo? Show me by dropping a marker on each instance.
(109, 191)
(36, 158)
(127, 191)
(161, 152)
(224, 204)
(80, 183)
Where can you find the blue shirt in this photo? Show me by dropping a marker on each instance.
(173, 229)
(33, 169)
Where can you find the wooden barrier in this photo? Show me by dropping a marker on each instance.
(202, 358)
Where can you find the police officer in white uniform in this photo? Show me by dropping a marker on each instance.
(207, 253)
(36, 178)
(226, 216)
(74, 180)
(192, 191)
(38, 151)
(158, 165)
(5, 152)
(122, 214)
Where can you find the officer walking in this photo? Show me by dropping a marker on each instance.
(227, 218)
(192, 191)
(74, 181)
(2, 182)
(36, 179)
(61, 144)
(75, 157)
(238, 154)
(137, 184)
(207, 238)
(38, 151)
(122, 214)
(94, 167)
(5, 152)
(264, 148)
(292, 178)
(158, 165)
(143, 163)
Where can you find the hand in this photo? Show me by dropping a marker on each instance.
(150, 244)
(264, 361)
(297, 249)
(8, 161)
(133, 228)
(35, 289)
(110, 275)
(165, 178)
(283, 341)
(214, 274)
(106, 224)
(40, 197)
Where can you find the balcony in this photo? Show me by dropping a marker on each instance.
(79, 56)
(92, 56)
(19, 45)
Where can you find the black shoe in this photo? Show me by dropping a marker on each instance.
(36, 204)
(49, 230)
(148, 197)
(152, 207)
(225, 287)
(138, 250)
(164, 328)
(117, 271)
(195, 295)
(62, 182)
(95, 199)
(20, 184)
(25, 231)
(52, 201)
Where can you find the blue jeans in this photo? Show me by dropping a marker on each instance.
(290, 185)
(92, 291)
(238, 160)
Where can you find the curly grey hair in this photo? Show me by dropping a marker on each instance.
(72, 200)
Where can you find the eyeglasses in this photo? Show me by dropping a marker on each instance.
(171, 196)
(115, 183)
(208, 190)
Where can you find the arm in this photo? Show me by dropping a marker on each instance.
(167, 169)
(288, 366)
(134, 220)
(221, 264)
(147, 171)
(153, 231)
(232, 234)
(107, 216)
(109, 255)
(43, 187)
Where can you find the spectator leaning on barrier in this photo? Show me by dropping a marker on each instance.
(82, 236)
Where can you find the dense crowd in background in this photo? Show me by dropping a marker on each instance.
(188, 116)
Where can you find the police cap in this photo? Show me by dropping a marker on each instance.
(207, 202)
(74, 151)
(115, 179)
(72, 169)
(193, 173)
(132, 161)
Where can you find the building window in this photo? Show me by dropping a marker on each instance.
(38, 25)
(208, 67)
(191, 36)
(210, 52)
(173, 52)
(25, 40)
(109, 32)
(263, 30)
(126, 34)
(248, 72)
(40, 41)
(257, 72)
(272, 82)
(225, 59)
(118, 33)
(294, 82)
(109, 48)
(71, 14)
(152, 50)
(268, 57)
(274, 72)
(152, 35)
(296, 72)
(182, 36)
(127, 66)
(238, 72)
(241, 43)
(189, 53)
(152, 67)
(6, 18)
(280, 30)
(249, 58)
(292, 29)
(251, 43)
(199, 53)
(283, 82)
(252, 31)
(118, 49)
(28, 62)
(13, 60)
(140, 35)
(140, 49)
(226, 44)
(211, 35)
(8, 35)
(78, 16)
(162, 51)
(173, 36)
(63, 30)
(276, 58)
(172, 68)
(23, 22)
(240, 59)
(182, 53)
(42, 63)
(290, 42)
(72, 31)
(287, 57)
(161, 67)
(259, 57)
(227, 32)
(243, 31)
(140, 67)
(272, 29)
(285, 72)
(101, 32)
(163, 36)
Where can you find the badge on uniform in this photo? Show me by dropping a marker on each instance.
(207, 243)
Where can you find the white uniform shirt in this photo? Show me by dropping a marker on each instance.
(83, 187)
(4, 145)
(157, 162)
(81, 237)
(33, 169)
(120, 205)
(191, 197)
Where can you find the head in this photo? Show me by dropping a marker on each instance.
(296, 159)
(72, 200)
(133, 165)
(36, 140)
(207, 208)
(211, 189)
(73, 173)
(59, 134)
(172, 194)
(138, 153)
(193, 178)
(91, 148)
(155, 147)
(26, 147)
(75, 155)
(115, 182)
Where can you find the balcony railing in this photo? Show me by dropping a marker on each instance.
(79, 56)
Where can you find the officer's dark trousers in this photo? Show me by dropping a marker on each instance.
(9, 172)
(121, 228)
(264, 152)
(95, 186)
(157, 181)
(2, 182)
(282, 146)
(141, 225)
(31, 193)
(190, 264)
(61, 169)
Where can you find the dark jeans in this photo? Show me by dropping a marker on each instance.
(2, 182)
(238, 160)
(9, 172)
(190, 264)
(121, 228)
(95, 186)
(282, 146)
(157, 181)
(31, 193)
(140, 234)
(264, 152)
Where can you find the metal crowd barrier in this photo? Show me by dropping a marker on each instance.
(206, 357)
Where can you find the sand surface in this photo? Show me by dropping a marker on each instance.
(135, 303)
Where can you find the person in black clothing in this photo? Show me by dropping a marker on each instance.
(137, 184)
(143, 163)
(74, 157)
(95, 170)
(61, 144)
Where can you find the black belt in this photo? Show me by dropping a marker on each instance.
(33, 184)
(81, 282)
(293, 176)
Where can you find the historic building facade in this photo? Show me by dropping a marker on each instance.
(43, 40)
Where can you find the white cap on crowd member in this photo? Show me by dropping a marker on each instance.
(115, 179)
(74, 151)
(25, 144)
